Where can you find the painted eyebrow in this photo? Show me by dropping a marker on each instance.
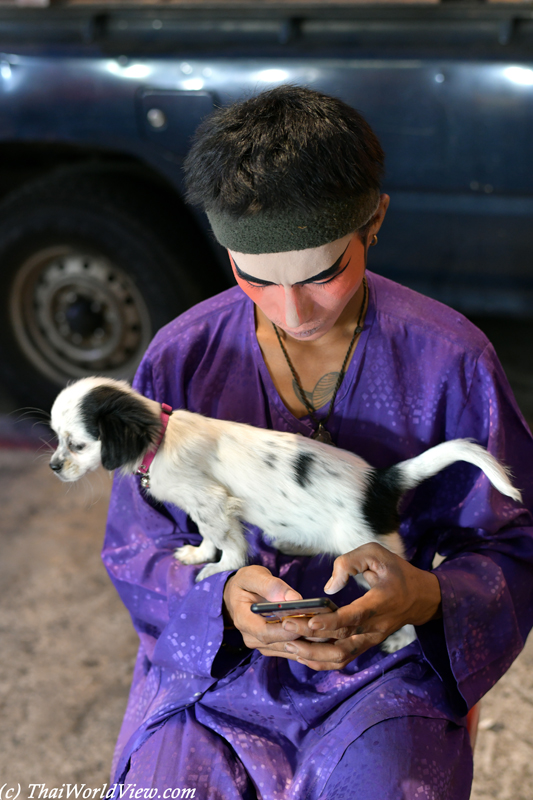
(326, 273)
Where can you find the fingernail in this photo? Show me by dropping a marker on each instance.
(292, 595)
(291, 648)
(316, 626)
(328, 584)
(290, 626)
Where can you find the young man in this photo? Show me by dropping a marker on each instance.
(311, 343)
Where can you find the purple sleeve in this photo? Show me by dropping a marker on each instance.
(178, 621)
(486, 578)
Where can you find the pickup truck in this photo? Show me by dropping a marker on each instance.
(98, 104)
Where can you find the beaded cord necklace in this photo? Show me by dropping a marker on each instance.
(321, 434)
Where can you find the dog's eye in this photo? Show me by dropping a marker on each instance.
(77, 448)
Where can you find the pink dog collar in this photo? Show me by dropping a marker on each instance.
(143, 470)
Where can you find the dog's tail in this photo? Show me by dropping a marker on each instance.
(418, 469)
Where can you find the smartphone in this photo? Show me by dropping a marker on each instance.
(277, 612)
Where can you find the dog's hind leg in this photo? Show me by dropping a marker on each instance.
(401, 638)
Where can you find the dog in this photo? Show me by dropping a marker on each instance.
(306, 496)
(303, 494)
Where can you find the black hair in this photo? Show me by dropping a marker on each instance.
(289, 148)
(122, 422)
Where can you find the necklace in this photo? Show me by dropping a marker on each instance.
(321, 434)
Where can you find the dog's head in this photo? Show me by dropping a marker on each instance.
(100, 421)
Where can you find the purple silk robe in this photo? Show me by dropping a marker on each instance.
(421, 374)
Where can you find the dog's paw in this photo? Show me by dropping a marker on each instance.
(189, 554)
(399, 639)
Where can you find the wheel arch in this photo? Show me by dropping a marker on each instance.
(25, 164)
(137, 220)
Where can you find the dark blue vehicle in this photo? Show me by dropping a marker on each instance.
(97, 107)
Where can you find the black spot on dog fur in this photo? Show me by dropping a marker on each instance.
(302, 468)
(270, 460)
(383, 494)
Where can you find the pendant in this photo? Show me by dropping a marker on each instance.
(322, 435)
(145, 481)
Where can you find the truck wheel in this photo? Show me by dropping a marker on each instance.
(86, 279)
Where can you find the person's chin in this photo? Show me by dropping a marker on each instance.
(308, 335)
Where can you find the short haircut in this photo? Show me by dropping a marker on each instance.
(290, 148)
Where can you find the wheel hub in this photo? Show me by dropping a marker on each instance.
(82, 315)
(75, 314)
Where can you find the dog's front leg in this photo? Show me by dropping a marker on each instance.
(205, 552)
(217, 515)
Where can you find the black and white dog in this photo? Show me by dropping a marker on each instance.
(308, 497)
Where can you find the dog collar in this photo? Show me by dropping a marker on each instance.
(144, 469)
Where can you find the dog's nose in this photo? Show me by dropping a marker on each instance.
(56, 465)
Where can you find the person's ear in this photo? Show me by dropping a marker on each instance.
(379, 216)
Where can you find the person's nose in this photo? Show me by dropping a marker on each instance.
(295, 307)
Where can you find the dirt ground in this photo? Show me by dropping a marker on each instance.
(68, 646)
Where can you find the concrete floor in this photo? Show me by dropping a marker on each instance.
(68, 646)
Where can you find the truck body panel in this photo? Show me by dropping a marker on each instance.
(448, 88)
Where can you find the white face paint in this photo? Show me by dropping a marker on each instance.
(294, 266)
(303, 292)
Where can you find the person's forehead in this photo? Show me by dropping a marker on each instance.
(293, 266)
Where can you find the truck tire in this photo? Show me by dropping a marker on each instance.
(90, 268)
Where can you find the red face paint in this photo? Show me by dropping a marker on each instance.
(306, 310)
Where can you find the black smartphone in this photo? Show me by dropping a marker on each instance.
(276, 612)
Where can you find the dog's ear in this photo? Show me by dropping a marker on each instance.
(125, 426)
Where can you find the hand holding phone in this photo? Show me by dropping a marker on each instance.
(277, 612)
(254, 585)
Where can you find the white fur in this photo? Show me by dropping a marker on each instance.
(223, 472)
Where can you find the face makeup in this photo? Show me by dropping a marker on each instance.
(303, 292)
